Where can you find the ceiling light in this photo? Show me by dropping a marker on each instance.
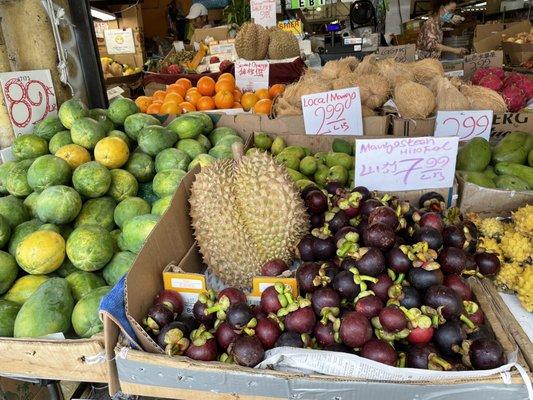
(102, 15)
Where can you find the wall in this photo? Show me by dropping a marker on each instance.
(154, 13)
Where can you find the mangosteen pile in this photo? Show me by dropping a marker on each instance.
(377, 277)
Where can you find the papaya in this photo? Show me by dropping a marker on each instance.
(510, 182)
(474, 156)
(8, 313)
(530, 158)
(521, 171)
(47, 311)
(479, 178)
(83, 282)
(24, 287)
(512, 148)
(85, 319)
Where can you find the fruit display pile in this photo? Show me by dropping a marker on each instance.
(181, 97)
(254, 42)
(507, 165)
(84, 193)
(512, 242)
(377, 277)
(419, 89)
(112, 68)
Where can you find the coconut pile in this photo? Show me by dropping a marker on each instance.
(418, 89)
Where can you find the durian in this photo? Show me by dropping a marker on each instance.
(525, 289)
(489, 245)
(508, 275)
(251, 42)
(282, 44)
(245, 213)
(523, 219)
(491, 227)
(515, 246)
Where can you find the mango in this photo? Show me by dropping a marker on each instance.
(338, 173)
(530, 158)
(308, 165)
(295, 175)
(341, 159)
(262, 141)
(513, 148)
(293, 151)
(321, 174)
(342, 146)
(277, 146)
(288, 160)
(489, 171)
(474, 156)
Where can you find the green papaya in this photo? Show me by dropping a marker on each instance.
(342, 159)
(85, 319)
(521, 171)
(530, 158)
(489, 171)
(512, 148)
(83, 282)
(47, 311)
(8, 313)
(479, 178)
(510, 182)
(474, 156)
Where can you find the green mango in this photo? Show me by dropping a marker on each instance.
(288, 160)
(341, 159)
(277, 145)
(342, 146)
(474, 156)
(479, 178)
(47, 311)
(295, 175)
(512, 148)
(523, 172)
(338, 173)
(320, 157)
(510, 182)
(293, 151)
(303, 183)
(307, 151)
(308, 165)
(262, 141)
(351, 178)
(321, 175)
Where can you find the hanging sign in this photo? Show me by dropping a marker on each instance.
(306, 3)
(337, 112)
(29, 97)
(293, 26)
(119, 41)
(475, 61)
(252, 75)
(464, 124)
(405, 163)
(404, 53)
(263, 12)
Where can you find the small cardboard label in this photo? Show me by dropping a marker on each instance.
(464, 124)
(186, 284)
(475, 61)
(293, 26)
(252, 75)
(337, 112)
(260, 283)
(403, 53)
(119, 41)
(405, 163)
(263, 12)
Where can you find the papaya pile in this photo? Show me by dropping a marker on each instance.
(507, 165)
(83, 194)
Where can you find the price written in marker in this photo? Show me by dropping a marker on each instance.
(467, 125)
(337, 112)
(252, 75)
(405, 163)
(403, 53)
(482, 60)
(263, 12)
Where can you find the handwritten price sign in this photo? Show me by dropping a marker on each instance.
(337, 112)
(482, 60)
(464, 124)
(29, 97)
(405, 163)
(252, 75)
(404, 53)
(263, 12)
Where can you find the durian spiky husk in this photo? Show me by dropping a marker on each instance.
(482, 98)
(282, 44)
(251, 42)
(245, 213)
(413, 99)
(448, 97)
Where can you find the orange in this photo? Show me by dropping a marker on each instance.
(170, 107)
(248, 100)
(206, 86)
(185, 83)
(228, 76)
(237, 105)
(186, 107)
(174, 97)
(276, 90)
(263, 106)
(224, 84)
(237, 94)
(262, 94)
(153, 108)
(159, 95)
(224, 99)
(205, 103)
(177, 88)
(192, 97)
(143, 102)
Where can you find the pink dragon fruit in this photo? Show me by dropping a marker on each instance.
(482, 72)
(527, 88)
(491, 81)
(514, 98)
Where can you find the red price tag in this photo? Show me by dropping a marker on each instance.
(464, 124)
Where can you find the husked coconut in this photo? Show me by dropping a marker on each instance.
(373, 88)
(368, 65)
(367, 112)
(392, 70)
(283, 107)
(413, 99)
(482, 98)
(425, 70)
(448, 97)
(337, 68)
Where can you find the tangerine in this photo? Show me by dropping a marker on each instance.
(186, 83)
(153, 108)
(228, 76)
(224, 84)
(173, 96)
(262, 94)
(205, 103)
(263, 106)
(186, 107)
(170, 107)
(206, 86)
(237, 105)
(276, 90)
(159, 95)
(224, 99)
(248, 100)
(237, 94)
(143, 102)
(192, 97)
(177, 88)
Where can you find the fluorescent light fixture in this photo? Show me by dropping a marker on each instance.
(102, 15)
(480, 4)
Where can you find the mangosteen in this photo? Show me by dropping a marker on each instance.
(454, 236)
(308, 189)
(424, 356)
(470, 264)
(372, 263)
(431, 220)
(355, 330)
(447, 335)
(392, 319)
(324, 334)
(459, 285)
(379, 235)
(225, 335)
(274, 267)
(361, 227)
(398, 261)
(317, 220)
(384, 215)
(365, 193)
(482, 331)
(337, 221)
(316, 202)
(380, 351)
(339, 348)
(368, 206)
(369, 306)
(173, 338)
(488, 264)
(302, 320)
(324, 249)
(203, 345)
(325, 298)
(189, 321)
(239, 315)
(341, 233)
(346, 287)
(430, 198)
(381, 287)
(305, 248)
(290, 339)
(270, 299)
(422, 279)
(268, 332)
(430, 235)
(247, 351)
(170, 299)
(157, 317)
(332, 187)
(349, 263)
(486, 354)
(233, 294)
(306, 276)
(410, 297)
(445, 298)
(452, 260)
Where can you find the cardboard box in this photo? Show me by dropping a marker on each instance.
(516, 54)
(493, 6)
(218, 33)
(413, 127)
(489, 37)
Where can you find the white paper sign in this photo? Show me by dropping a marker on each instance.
(119, 41)
(263, 12)
(465, 124)
(29, 97)
(405, 163)
(252, 75)
(337, 112)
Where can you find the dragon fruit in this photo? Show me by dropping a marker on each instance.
(482, 72)
(491, 81)
(514, 98)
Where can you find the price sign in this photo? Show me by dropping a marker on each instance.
(464, 124)
(119, 41)
(29, 97)
(263, 12)
(405, 163)
(293, 26)
(404, 53)
(482, 60)
(337, 112)
(294, 4)
(252, 75)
